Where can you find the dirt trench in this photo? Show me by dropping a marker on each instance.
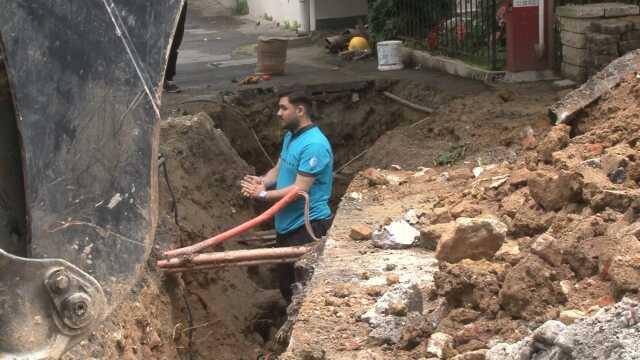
(234, 313)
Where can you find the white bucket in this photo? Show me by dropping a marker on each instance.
(390, 55)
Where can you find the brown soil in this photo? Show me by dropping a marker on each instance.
(593, 227)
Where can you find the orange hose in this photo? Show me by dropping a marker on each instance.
(219, 239)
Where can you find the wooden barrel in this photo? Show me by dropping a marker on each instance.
(272, 56)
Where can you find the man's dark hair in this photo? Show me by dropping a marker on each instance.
(298, 96)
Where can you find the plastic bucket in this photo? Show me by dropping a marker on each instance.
(272, 56)
(390, 55)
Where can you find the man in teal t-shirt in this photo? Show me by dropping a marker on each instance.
(306, 161)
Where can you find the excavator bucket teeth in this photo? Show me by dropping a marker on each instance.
(85, 78)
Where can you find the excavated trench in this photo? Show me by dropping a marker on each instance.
(247, 136)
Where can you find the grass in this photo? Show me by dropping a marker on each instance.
(450, 156)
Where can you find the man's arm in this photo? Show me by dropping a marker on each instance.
(271, 177)
(303, 182)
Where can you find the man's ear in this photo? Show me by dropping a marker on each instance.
(300, 110)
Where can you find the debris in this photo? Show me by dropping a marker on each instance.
(499, 181)
(465, 209)
(422, 171)
(519, 177)
(530, 289)
(472, 355)
(342, 290)
(528, 138)
(615, 338)
(355, 196)
(554, 190)
(393, 279)
(564, 84)
(546, 247)
(375, 177)
(386, 327)
(506, 95)
(412, 216)
(568, 317)
(470, 238)
(477, 171)
(396, 167)
(408, 103)
(398, 235)
(556, 139)
(595, 87)
(361, 232)
(440, 345)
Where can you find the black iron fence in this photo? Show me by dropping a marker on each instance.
(472, 30)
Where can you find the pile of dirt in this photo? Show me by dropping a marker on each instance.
(484, 128)
(226, 313)
(571, 205)
(560, 216)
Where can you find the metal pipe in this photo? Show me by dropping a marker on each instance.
(237, 264)
(228, 257)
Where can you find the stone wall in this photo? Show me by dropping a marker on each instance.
(594, 35)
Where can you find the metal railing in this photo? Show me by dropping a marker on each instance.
(466, 29)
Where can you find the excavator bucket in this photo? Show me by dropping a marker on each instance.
(79, 109)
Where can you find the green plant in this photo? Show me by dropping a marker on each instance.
(286, 25)
(268, 17)
(242, 7)
(389, 18)
(296, 25)
(450, 156)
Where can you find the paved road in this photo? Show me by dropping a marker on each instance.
(219, 48)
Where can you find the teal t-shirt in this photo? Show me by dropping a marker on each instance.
(308, 152)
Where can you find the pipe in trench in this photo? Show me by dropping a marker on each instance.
(235, 256)
(219, 239)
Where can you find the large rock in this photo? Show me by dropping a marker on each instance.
(530, 289)
(557, 139)
(553, 190)
(468, 238)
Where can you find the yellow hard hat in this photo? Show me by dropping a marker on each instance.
(358, 43)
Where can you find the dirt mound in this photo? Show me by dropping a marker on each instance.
(573, 243)
(481, 128)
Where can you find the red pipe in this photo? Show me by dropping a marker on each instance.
(219, 239)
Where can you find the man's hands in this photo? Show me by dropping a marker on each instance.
(252, 186)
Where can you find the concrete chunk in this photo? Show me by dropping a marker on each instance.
(580, 11)
(575, 40)
(574, 56)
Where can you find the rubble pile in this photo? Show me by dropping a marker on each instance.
(548, 242)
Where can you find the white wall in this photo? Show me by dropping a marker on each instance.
(280, 10)
(329, 9)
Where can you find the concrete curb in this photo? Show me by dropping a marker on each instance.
(450, 66)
